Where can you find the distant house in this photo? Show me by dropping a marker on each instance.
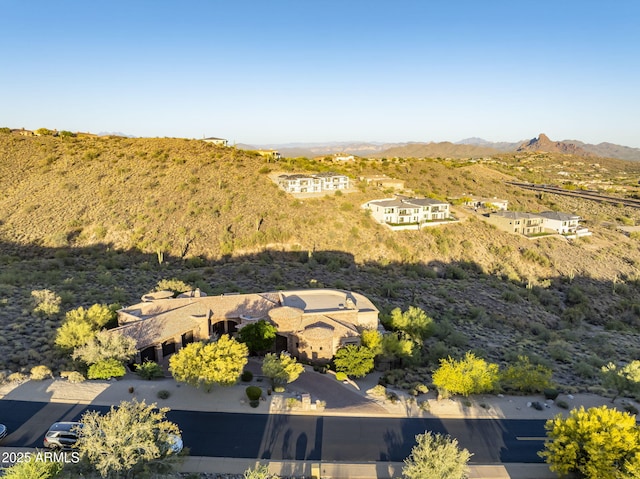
(343, 157)
(516, 222)
(564, 223)
(383, 181)
(272, 154)
(312, 324)
(488, 203)
(22, 131)
(216, 141)
(313, 183)
(403, 211)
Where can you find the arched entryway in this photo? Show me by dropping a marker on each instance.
(224, 327)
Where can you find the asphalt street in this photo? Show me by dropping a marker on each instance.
(280, 436)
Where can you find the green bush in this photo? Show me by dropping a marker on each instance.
(254, 393)
(246, 376)
(163, 394)
(562, 404)
(107, 369)
(341, 376)
(149, 370)
(550, 393)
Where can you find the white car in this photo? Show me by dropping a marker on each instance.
(175, 444)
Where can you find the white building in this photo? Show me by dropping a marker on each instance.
(403, 211)
(313, 183)
(563, 223)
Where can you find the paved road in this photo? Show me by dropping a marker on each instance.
(279, 436)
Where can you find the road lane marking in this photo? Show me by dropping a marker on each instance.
(526, 438)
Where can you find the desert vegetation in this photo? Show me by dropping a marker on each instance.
(102, 221)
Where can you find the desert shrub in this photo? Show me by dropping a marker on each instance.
(17, 377)
(253, 393)
(149, 370)
(38, 373)
(559, 350)
(293, 402)
(73, 377)
(340, 376)
(550, 393)
(393, 397)
(585, 370)
(278, 389)
(525, 376)
(418, 388)
(173, 284)
(107, 369)
(45, 302)
(511, 296)
(378, 390)
(562, 404)
(246, 376)
(576, 296)
(163, 394)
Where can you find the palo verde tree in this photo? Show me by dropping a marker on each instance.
(259, 336)
(596, 443)
(356, 361)
(625, 379)
(469, 375)
(526, 377)
(414, 323)
(128, 441)
(33, 469)
(205, 364)
(436, 457)
(106, 345)
(80, 325)
(281, 369)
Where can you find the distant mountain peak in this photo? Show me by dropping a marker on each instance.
(543, 143)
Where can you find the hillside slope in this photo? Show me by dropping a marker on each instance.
(104, 219)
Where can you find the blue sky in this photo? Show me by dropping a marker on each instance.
(273, 71)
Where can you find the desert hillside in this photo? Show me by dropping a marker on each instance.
(104, 219)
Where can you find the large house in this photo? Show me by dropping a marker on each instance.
(216, 141)
(530, 224)
(313, 183)
(564, 223)
(527, 224)
(403, 211)
(312, 324)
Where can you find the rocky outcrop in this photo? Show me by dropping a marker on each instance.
(543, 143)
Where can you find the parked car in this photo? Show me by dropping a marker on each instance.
(3, 431)
(62, 435)
(175, 443)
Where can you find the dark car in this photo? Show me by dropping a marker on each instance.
(62, 435)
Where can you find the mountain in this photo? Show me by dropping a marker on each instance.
(498, 145)
(311, 150)
(604, 150)
(609, 150)
(543, 143)
(443, 149)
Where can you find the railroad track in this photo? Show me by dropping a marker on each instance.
(585, 194)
